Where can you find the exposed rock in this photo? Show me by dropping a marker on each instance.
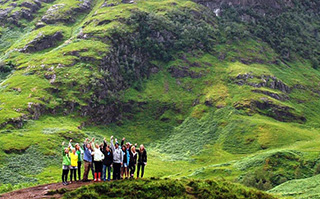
(52, 14)
(127, 1)
(42, 42)
(47, 1)
(83, 6)
(28, 8)
(281, 97)
(4, 13)
(32, 6)
(153, 70)
(40, 25)
(265, 81)
(269, 108)
(183, 71)
(58, 12)
(15, 151)
(35, 110)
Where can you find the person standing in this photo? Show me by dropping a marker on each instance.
(74, 161)
(107, 161)
(65, 164)
(79, 152)
(92, 156)
(126, 158)
(98, 158)
(133, 160)
(142, 160)
(87, 158)
(74, 164)
(117, 159)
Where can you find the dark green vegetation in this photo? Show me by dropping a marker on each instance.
(155, 188)
(234, 96)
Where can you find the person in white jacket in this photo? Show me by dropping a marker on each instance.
(98, 158)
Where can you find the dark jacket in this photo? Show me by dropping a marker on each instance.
(125, 153)
(133, 158)
(108, 156)
(142, 156)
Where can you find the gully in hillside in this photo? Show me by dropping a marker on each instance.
(102, 159)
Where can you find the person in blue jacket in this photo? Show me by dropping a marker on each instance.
(87, 158)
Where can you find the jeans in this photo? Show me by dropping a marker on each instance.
(104, 171)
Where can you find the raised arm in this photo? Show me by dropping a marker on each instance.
(62, 146)
(111, 144)
(122, 141)
(70, 145)
(104, 144)
(85, 144)
(92, 144)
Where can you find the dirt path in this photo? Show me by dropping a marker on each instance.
(41, 191)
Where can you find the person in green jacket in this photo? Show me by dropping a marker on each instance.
(80, 159)
(65, 164)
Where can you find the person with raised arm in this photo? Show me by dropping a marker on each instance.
(65, 164)
(98, 158)
(142, 160)
(79, 152)
(92, 155)
(87, 158)
(107, 161)
(133, 160)
(74, 162)
(126, 159)
(117, 159)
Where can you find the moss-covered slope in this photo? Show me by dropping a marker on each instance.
(206, 92)
(156, 188)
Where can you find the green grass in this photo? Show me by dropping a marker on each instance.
(301, 189)
(156, 188)
(194, 128)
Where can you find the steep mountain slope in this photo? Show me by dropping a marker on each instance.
(213, 88)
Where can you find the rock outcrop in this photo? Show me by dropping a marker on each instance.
(269, 108)
(65, 14)
(24, 10)
(42, 42)
(184, 71)
(264, 81)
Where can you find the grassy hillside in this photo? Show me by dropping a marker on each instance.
(156, 188)
(302, 188)
(207, 101)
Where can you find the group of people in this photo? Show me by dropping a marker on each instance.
(102, 159)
